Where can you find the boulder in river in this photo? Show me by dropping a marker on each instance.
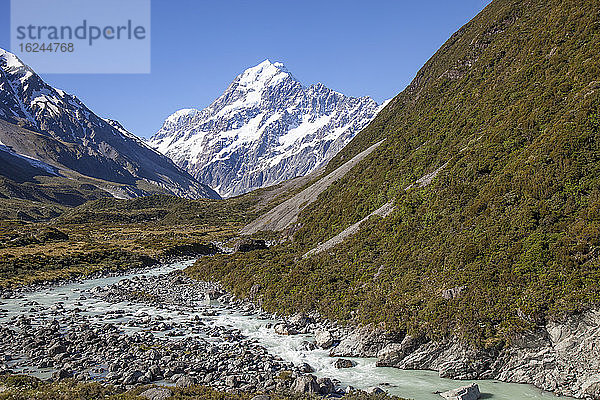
(469, 392)
(323, 339)
(307, 346)
(326, 385)
(305, 367)
(343, 363)
(284, 329)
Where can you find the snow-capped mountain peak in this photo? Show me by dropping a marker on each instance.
(264, 74)
(11, 60)
(266, 127)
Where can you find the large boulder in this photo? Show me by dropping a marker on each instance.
(184, 381)
(343, 363)
(284, 329)
(306, 384)
(62, 374)
(323, 339)
(299, 320)
(326, 385)
(305, 367)
(57, 348)
(469, 392)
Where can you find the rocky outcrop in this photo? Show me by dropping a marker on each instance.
(246, 244)
(562, 357)
(366, 341)
(284, 329)
(306, 384)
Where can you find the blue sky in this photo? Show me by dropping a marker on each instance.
(358, 48)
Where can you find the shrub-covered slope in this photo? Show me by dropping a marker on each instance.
(508, 112)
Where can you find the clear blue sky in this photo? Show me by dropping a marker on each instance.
(358, 48)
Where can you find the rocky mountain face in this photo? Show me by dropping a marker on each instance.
(54, 127)
(267, 127)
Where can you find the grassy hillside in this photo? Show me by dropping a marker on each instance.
(113, 234)
(508, 112)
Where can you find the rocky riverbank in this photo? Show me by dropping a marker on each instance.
(560, 357)
(127, 348)
(167, 328)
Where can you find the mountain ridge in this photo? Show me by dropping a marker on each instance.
(90, 145)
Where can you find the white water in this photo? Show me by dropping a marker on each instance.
(418, 385)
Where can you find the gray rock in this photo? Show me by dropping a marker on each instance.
(306, 384)
(394, 353)
(307, 346)
(342, 363)
(592, 389)
(132, 377)
(469, 392)
(157, 393)
(326, 386)
(453, 293)
(62, 373)
(375, 390)
(284, 329)
(57, 349)
(305, 367)
(232, 381)
(323, 339)
(184, 381)
(364, 341)
(299, 320)
(261, 397)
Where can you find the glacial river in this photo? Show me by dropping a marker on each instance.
(418, 385)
